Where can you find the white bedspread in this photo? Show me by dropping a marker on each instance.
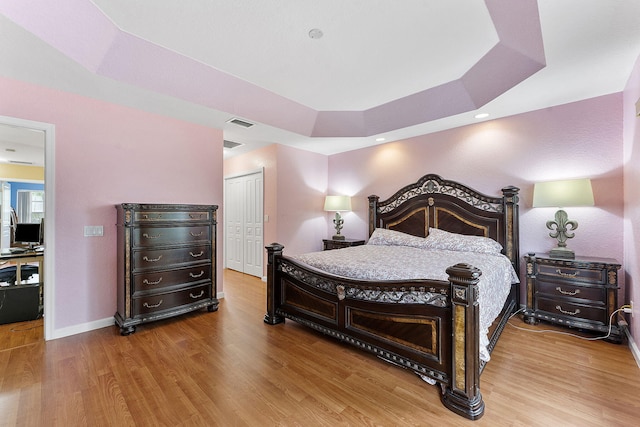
(374, 262)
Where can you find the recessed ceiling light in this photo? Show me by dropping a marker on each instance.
(315, 33)
(481, 115)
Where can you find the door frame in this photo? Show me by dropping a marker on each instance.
(49, 219)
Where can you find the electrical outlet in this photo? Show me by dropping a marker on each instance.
(631, 304)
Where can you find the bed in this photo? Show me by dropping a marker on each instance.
(430, 326)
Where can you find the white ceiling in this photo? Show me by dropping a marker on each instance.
(383, 68)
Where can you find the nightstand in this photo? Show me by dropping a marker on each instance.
(338, 244)
(579, 293)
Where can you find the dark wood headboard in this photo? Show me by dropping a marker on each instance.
(450, 206)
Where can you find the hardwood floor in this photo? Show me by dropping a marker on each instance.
(229, 368)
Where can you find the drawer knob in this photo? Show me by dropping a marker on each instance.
(152, 259)
(147, 305)
(570, 313)
(576, 292)
(148, 282)
(196, 296)
(563, 274)
(195, 276)
(151, 237)
(196, 255)
(196, 234)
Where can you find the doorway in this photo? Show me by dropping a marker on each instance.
(243, 223)
(49, 231)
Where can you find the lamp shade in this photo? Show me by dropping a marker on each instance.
(560, 194)
(337, 203)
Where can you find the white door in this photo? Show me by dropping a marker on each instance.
(233, 223)
(244, 250)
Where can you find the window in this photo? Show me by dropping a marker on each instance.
(30, 206)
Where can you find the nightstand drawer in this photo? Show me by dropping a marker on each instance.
(572, 273)
(573, 310)
(565, 289)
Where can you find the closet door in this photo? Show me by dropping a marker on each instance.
(244, 206)
(234, 190)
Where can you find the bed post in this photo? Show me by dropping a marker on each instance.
(512, 233)
(462, 394)
(273, 288)
(511, 226)
(373, 213)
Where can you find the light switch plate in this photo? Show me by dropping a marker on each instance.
(93, 230)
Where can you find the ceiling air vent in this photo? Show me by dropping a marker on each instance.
(230, 144)
(239, 122)
(18, 162)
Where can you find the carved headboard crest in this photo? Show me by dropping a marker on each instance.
(435, 202)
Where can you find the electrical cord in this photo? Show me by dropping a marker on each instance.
(539, 331)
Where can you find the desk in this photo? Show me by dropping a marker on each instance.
(20, 258)
(21, 302)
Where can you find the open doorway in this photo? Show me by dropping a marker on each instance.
(12, 130)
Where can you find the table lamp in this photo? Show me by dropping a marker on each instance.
(337, 204)
(562, 194)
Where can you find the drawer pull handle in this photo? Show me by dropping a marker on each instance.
(563, 274)
(148, 282)
(195, 216)
(152, 259)
(196, 234)
(196, 255)
(195, 276)
(151, 237)
(148, 217)
(570, 313)
(196, 296)
(576, 292)
(147, 305)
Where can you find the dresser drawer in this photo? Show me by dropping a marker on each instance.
(566, 289)
(159, 236)
(590, 275)
(157, 303)
(156, 281)
(170, 216)
(162, 258)
(573, 310)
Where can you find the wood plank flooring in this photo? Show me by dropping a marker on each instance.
(228, 368)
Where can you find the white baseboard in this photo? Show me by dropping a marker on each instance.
(633, 346)
(96, 324)
(83, 327)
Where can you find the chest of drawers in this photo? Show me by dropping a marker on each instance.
(579, 293)
(166, 261)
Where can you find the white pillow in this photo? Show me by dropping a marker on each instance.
(386, 237)
(443, 240)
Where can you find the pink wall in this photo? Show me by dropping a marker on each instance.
(107, 154)
(582, 139)
(295, 183)
(632, 197)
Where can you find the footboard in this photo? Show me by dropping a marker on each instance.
(427, 326)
